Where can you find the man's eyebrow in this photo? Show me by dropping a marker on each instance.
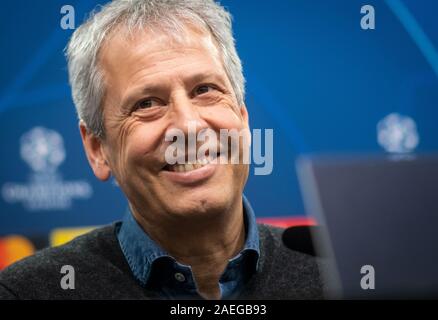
(210, 76)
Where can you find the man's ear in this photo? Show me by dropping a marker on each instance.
(95, 154)
(244, 114)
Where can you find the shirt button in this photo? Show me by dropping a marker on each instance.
(180, 277)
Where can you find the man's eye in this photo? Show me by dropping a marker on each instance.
(203, 89)
(147, 103)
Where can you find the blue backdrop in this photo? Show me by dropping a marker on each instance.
(313, 75)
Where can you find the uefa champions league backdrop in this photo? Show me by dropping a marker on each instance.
(328, 76)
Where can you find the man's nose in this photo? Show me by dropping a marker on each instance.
(185, 116)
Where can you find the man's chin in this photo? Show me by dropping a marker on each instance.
(198, 207)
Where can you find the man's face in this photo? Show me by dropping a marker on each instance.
(153, 85)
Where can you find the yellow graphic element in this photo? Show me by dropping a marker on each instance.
(60, 236)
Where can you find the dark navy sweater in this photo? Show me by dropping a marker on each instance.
(101, 271)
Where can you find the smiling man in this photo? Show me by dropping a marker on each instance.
(141, 70)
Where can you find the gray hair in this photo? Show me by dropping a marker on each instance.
(85, 76)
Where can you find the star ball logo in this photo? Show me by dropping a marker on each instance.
(397, 134)
(43, 151)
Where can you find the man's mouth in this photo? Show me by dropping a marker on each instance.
(190, 173)
(187, 166)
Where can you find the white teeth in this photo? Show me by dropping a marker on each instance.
(189, 167)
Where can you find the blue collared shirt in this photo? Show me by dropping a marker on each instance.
(155, 269)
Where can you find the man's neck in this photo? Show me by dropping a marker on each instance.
(206, 246)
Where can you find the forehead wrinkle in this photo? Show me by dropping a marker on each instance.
(158, 67)
(157, 76)
(139, 52)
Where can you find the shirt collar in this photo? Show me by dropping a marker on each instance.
(141, 251)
